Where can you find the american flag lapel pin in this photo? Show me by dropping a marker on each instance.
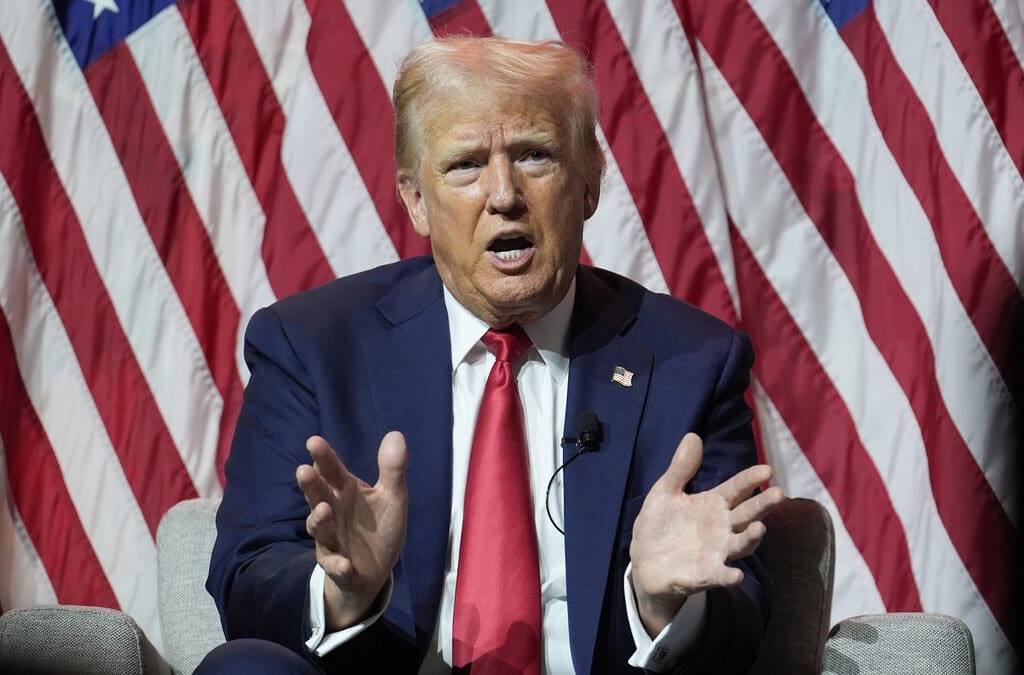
(622, 376)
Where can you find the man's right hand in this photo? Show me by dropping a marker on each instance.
(359, 530)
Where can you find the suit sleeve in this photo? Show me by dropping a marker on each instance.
(263, 557)
(736, 616)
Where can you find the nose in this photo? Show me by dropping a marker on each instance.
(502, 193)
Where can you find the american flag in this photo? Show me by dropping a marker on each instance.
(843, 180)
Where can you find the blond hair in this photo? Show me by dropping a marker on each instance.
(548, 71)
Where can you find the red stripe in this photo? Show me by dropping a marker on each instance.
(984, 284)
(291, 252)
(462, 18)
(41, 496)
(980, 42)
(788, 370)
(645, 158)
(174, 224)
(118, 387)
(980, 530)
(362, 109)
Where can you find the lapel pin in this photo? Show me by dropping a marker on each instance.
(622, 376)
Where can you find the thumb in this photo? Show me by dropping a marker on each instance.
(685, 462)
(391, 460)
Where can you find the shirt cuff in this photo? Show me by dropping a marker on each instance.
(662, 653)
(322, 642)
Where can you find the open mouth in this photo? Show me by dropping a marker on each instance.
(510, 247)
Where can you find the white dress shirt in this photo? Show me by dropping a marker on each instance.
(542, 380)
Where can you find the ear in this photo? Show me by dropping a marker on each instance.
(591, 196)
(412, 198)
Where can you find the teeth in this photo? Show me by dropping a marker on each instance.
(510, 255)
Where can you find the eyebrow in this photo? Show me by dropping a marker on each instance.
(516, 140)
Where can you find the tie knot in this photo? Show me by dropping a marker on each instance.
(509, 344)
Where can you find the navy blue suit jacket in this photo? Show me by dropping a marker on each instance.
(369, 353)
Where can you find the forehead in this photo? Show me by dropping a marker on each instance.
(488, 117)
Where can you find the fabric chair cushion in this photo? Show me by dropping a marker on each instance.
(72, 639)
(188, 616)
(900, 643)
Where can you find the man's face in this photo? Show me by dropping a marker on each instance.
(503, 204)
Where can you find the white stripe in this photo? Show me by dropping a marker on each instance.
(968, 136)
(143, 297)
(202, 143)
(323, 174)
(810, 282)
(1011, 16)
(58, 392)
(971, 385)
(614, 236)
(23, 578)
(665, 65)
(855, 591)
(389, 35)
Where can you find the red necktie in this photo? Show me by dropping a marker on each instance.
(496, 628)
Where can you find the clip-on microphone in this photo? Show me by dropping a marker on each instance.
(588, 439)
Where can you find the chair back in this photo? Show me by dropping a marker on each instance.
(188, 616)
(799, 551)
(899, 643)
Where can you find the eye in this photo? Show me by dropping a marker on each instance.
(463, 165)
(537, 155)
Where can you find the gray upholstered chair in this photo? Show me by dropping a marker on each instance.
(929, 644)
(799, 551)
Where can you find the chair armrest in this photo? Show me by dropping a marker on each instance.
(910, 642)
(83, 640)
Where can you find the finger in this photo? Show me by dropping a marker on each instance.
(740, 486)
(391, 460)
(727, 576)
(745, 543)
(756, 508)
(320, 525)
(683, 467)
(314, 488)
(327, 463)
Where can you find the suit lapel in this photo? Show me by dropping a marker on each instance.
(411, 386)
(594, 485)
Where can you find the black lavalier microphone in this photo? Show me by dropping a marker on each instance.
(588, 439)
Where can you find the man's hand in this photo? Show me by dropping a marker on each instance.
(359, 530)
(682, 542)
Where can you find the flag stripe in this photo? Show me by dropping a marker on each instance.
(807, 278)
(661, 53)
(971, 386)
(959, 486)
(118, 246)
(60, 252)
(185, 250)
(18, 557)
(984, 285)
(201, 141)
(335, 46)
(982, 46)
(62, 403)
(645, 158)
(291, 252)
(40, 493)
(856, 486)
(854, 592)
(970, 141)
(313, 151)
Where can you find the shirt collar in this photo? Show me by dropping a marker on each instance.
(549, 333)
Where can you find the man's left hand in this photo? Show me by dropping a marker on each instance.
(682, 543)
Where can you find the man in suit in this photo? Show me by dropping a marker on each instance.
(353, 562)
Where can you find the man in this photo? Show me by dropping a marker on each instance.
(499, 165)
